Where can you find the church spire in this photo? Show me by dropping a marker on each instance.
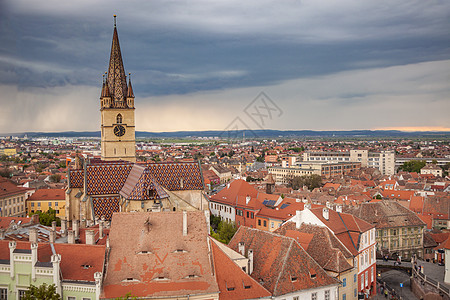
(116, 80)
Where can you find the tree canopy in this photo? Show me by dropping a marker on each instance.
(310, 181)
(413, 166)
(42, 292)
(225, 230)
(46, 218)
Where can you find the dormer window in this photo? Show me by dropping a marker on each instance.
(119, 119)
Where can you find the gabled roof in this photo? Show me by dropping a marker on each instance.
(150, 256)
(346, 227)
(281, 265)
(321, 244)
(236, 188)
(233, 282)
(140, 185)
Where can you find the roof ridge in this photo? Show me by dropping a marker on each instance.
(282, 268)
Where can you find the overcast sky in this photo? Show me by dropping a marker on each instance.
(201, 65)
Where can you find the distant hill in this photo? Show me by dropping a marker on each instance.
(248, 134)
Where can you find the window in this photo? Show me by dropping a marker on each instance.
(21, 294)
(252, 215)
(271, 224)
(327, 295)
(354, 292)
(3, 294)
(265, 223)
(344, 297)
(56, 203)
(32, 204)
(49, 204)
(71, 298)
(119, 119)
(248, 214)
(344, 282)
(86, 298)
(259, 222)
(39, 204)
(314, 296)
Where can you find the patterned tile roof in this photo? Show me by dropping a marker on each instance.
(177, 176)
(280, 263)
(141, 185)
(104, 179)
(105, 206)
(76, 178)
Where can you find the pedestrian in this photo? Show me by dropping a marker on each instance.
(385, 293)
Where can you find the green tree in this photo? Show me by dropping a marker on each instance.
(413, 166)
(225, 232)
(5, 173)
(46, 218)
(42, 292)
(310, 181)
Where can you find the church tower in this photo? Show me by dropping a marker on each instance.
(117, 109)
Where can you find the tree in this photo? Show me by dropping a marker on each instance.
(5, 173)
(46, 218)
(413, 166)
(225, 232)
(42, 292)
(310, 181)
(55, 178)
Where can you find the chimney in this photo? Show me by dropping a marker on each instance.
(100, 229)
(12, 247)
(90, 237)
(250, 262)
(63, 227)
(325, 213)
(76, 228)
(71, 237)
(185, 223)
(107, 242)
(33, 235)
(83, 223)
(34, 250)
(328, 205)
(54, 225)
(52, 236)
(307, 206)
(339, 208)
(56, 260)
(2, 234)
(298, 219)
(241, 248)
(247, 199)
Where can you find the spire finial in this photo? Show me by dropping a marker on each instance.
(129, 76)
(115, 20)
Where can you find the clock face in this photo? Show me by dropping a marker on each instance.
(119, 130)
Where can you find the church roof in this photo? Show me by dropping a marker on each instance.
(140, 183)
(116, 79)
(178, 176)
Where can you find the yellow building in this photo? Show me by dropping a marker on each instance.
(44, 199)
(8, 151)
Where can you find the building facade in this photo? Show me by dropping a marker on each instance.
(399, 231)
(44, 199)
(383, 160)
(12, 199)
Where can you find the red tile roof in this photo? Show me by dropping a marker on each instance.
(281, 265)
(233, 282)
(47, 194)
(155, 259)
(236, 188)
(8, 188)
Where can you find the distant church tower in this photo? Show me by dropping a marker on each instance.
(117, 109)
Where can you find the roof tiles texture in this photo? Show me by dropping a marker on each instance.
(233, 282)
(155, 258)
(280, 263)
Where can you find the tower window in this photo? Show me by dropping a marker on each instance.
(119, 119)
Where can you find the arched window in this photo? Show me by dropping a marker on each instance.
(119, 119)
